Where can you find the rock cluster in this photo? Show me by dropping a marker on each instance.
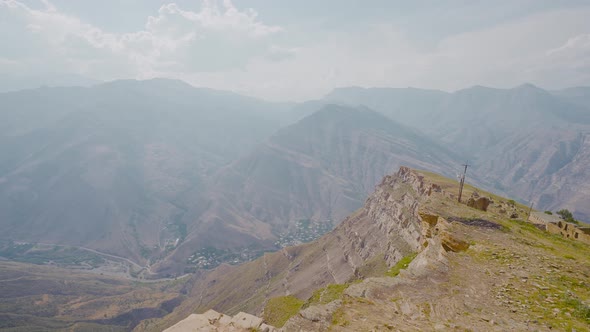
(215, 321)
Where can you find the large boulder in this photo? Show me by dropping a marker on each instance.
(480, 203)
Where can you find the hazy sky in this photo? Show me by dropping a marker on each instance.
(301, 49)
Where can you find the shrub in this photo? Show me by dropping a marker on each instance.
(566, 215)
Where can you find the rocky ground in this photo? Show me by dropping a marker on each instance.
(512, 276)
(471, 270)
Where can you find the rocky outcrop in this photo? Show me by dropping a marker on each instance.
(387, 228)
(430, 263)
(214, 321)
(477, 202)
(438, 288)
(435, 227)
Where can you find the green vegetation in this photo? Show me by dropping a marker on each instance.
(566, 215)
(279, 309)
(327, 294)
(580, 309)
(549, 213)
(401, 265)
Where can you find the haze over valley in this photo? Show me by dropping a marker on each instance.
(160, 160)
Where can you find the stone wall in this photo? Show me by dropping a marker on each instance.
(569, 231)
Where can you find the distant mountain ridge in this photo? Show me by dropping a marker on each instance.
(120, 167)
(523, 141)
(153, 170)
(10, 83)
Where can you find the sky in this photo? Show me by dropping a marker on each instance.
(285, 50)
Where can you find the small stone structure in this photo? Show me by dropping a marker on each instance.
(570, 231)
(556, 225)
(214, 321)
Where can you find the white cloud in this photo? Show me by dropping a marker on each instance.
(575, 47)
(504, 55)
(221, 46)
(217, 37)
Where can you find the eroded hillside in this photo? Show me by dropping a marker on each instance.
(474, 269)
(525, 141)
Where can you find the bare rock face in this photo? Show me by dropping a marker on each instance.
(314, 318)
(480, 203)
(432, 260)
(435, 227)
(451, 243)
(215, 321)
(388, 227)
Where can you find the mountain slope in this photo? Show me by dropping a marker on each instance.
(386, 229)
(409, 106)
(523, 141)
(319, 168)
(474, 269)
(342, 148)
(576, 95)
(118, 167)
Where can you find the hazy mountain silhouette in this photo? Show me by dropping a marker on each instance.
(108, 167)
(523, 141)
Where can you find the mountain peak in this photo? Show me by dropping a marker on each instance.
(529, 87)
(153, 82)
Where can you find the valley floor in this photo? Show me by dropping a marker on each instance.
(41, 298)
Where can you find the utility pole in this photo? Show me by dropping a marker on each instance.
(463, 180)
(530, 210)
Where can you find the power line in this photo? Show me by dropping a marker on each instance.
(463, 180)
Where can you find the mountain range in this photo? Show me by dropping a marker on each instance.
(526, 141)
(154, 170)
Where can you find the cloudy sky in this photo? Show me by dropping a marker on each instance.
(297, 50)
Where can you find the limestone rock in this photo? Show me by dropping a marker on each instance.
(314, 318)
(266, 328)
(451, 243)
(246, 321)
(212, 320)
(320, 312)
(192, 323)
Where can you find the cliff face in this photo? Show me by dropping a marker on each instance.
(388, 224)
(474, 269)
(387, 228)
